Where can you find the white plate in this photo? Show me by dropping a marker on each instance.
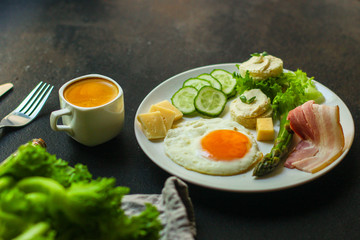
(280, 179)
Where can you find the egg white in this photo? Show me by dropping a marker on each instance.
(182, 144)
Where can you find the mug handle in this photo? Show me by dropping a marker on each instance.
(54, 117)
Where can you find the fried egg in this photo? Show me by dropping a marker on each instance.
(212, 146)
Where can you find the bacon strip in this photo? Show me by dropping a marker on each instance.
(322, 137)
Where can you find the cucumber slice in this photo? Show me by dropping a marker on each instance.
(184, 98)
(210, 101)
(214, 82)
(196, 83)
(228, 82)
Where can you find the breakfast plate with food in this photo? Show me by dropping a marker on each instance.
(248, 127)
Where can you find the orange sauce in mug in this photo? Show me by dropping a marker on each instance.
(91, 92)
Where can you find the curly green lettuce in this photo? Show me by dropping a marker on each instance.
(286, 91)
(42, 197)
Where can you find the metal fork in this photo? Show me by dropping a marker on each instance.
(29, 107)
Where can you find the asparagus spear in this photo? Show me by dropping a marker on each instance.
(280, 149)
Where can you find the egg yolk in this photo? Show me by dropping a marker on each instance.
(225, 145)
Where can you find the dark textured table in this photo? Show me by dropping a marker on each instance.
(142, 43)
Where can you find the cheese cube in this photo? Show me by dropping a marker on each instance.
(264, 129)
(167, 115)
(167, 104)
(152, 125)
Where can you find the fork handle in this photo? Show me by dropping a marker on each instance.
(54, 117)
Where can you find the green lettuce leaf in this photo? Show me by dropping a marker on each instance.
(286, 91)
(32, 160)
(42, 197)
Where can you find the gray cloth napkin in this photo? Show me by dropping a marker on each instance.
(175, 207)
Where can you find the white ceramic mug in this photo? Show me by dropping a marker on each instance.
(90, 126)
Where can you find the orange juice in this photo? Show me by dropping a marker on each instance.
(91, 92)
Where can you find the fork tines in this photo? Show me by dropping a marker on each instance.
(33, 103)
